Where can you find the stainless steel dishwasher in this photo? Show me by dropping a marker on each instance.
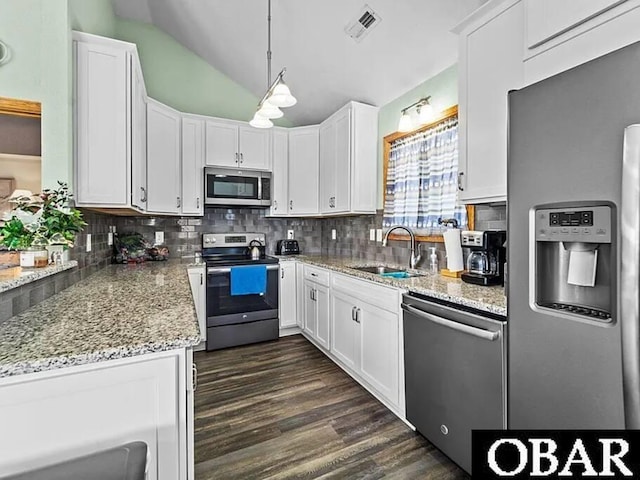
(455, 373)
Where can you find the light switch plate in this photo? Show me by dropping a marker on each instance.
(379, 235)
(333, 234)
(88, 242)
(159, 238)
(290, 234)
(372, 234)
(109, 238)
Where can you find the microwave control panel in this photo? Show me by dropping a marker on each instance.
(583, 224)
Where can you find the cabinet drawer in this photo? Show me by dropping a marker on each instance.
(368, 292)
(316, 274)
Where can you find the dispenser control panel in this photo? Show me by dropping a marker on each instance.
(584, 224)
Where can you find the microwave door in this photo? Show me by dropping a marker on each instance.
(232, 190)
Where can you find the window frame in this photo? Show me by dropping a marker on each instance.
(386, 145)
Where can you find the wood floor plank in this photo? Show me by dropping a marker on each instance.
(283, 410)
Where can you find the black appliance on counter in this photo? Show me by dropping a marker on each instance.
(287, 247)
(238, 319)
(485, 263)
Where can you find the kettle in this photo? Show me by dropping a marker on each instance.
(254, 250)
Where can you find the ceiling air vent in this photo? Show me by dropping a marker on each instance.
(363, 24)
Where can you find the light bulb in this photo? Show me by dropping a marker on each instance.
(258, 121)
(281, 96)
(269, 110)
(405, 124)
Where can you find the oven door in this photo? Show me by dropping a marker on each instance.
(234, 187)
(226, 309)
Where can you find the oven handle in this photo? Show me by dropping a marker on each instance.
(461, 327)
(214, 270)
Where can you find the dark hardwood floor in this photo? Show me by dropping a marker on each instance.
(284, 410)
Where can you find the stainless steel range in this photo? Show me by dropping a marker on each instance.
(242, 290)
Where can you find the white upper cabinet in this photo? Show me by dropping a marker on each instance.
(235, 144)
(304, 156)
(490, 64)
(348, 160)
(192, 165)
(280, 172)
(138, 138)
(102, 121)
(163, 159)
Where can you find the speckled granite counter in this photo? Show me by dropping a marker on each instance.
(15, 277)
(120, 311)
(489, 299)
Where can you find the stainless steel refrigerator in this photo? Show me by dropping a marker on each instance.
(574, 230)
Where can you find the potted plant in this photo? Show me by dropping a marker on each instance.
(44, 221)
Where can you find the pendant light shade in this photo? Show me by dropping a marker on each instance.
(269, 110)
(405, 124)
(281, 96)
(425, 114)
(258, 121)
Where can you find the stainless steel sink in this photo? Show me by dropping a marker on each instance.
(381, 270)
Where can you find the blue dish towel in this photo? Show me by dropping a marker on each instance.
(249, 280)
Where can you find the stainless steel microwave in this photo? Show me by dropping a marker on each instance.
(230, 187)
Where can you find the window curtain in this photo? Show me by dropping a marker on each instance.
(422, 180)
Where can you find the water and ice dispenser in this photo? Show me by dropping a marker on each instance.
(574, 261)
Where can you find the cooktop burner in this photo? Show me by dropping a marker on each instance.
(237, 260)
(234, 249)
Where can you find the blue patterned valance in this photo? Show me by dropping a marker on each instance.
(422, 180)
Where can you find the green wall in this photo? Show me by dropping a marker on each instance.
(443, 89)
(93, 16)
(37, 33)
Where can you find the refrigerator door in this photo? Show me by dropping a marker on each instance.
(565, 149)
(629, 275)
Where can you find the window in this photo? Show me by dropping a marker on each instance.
(421, 178)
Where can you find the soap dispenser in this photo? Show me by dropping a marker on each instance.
(433, 261)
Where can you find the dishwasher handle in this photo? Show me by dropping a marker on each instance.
(461, 327)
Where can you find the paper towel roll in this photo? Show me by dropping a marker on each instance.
(454, 250)
(582, 268)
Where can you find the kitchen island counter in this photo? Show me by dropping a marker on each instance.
(489, 299)
(121, 311)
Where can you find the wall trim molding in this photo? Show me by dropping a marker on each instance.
(23, 108)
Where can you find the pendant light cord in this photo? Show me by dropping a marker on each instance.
(269, 45)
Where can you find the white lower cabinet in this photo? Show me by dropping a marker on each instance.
(315, 304)
(50, 417)
(288, 311)
(199, 291)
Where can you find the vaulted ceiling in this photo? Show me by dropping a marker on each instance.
(325, 67)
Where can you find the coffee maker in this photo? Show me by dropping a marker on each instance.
(485, 263)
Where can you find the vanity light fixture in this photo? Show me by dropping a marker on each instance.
(424, 111)
(277, 95)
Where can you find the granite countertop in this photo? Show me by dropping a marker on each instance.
(120, 311)
(14, 277)
(488, 299)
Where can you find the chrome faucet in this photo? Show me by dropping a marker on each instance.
(415, 247)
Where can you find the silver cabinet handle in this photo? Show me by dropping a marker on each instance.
(358, 315)
(460, 327)
(201, 279)
(460, 187)
(311, 294)
(143, 197)
(198, 202)
(282, 273)
(353, 313)
(275, 204)
(314, 274)
(290, 204)
(242, 158)
(178, 202)
(194, 372)
(237, 161)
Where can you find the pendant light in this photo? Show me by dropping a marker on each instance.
(405, 124)
(424, 114)
(277, 95)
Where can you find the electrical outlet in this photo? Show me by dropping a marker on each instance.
(333, 234)
(372, 235)
(379, 235)
(159, 238)
(88, 242)
(290, 234)
(109, 238)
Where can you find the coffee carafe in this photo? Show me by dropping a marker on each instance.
(485, 263)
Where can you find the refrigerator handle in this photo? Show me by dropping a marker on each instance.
(629, 276)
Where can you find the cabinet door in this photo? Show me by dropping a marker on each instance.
(192, 165)
(309, 305)
(379, 362)
(102, 122)
(342, 191)
(222, 144)
(322, 315)
(304, 156)
(163, 158)
(198, 291)
(300, 294)
(254, 148)
(287, 292)
(139, 138)
(280, 177)
(345, 341)
(496, 46)
(327, 166)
